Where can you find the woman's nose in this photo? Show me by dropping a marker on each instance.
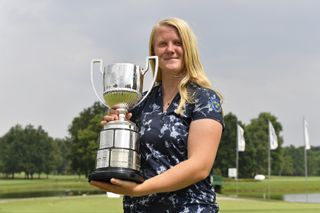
(170, 48)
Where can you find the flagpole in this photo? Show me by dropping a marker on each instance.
(237, 160)
(269, 161)
(305, 159)
(237, 165)
(240, 147)
(273, 144)
(269, 171)
(269, 148)
(306, 174)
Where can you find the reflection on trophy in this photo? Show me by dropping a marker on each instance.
(118, 154)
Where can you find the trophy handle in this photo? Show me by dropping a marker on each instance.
(144, 71)
(101, 68)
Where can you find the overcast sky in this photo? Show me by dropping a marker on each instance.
(264, 56)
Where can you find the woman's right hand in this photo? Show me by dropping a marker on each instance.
(113, 115)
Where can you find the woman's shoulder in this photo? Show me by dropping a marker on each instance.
(199, 92)
(207, 103)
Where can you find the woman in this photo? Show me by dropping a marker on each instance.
(180, 126)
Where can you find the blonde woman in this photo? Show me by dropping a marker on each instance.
(180, 124)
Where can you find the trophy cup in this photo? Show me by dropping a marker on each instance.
(118, 155)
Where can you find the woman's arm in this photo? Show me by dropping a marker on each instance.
(203, 142)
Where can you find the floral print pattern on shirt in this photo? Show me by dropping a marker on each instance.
(163, 144)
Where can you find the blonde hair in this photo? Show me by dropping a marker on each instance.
(194, 69)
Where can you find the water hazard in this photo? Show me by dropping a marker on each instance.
(305, 198)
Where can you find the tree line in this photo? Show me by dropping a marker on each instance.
(32, 151)
(285, 161)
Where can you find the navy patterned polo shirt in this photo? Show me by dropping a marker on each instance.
(163, 138)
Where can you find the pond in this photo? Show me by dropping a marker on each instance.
(58, 193)
(305, 198)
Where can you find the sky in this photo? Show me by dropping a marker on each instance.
(263, 56)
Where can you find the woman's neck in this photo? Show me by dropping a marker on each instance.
(169, 90)
(170, 84)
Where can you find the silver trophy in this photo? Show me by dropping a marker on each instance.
(118, 155)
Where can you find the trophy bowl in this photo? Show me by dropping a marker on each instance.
(118, 155)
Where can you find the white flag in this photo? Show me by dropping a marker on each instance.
(273, 140)
(306, 135)
(241, 141)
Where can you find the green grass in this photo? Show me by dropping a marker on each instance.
(274, 188)
(73, 185)
(53, 186)
(78, 204)
(102, 204)
(260, 206)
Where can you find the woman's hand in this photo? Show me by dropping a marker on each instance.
(119, 187)
(113, 115)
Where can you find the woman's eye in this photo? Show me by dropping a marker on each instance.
(178, 43)
(161, 44)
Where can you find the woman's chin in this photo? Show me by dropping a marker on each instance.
(173, 68)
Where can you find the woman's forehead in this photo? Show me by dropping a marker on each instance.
(166, 30)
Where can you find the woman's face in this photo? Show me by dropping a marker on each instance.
(168, 47)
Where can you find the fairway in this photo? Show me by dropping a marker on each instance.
(86, 203)
(276, 187)
(72, 204)
(258, 206)
(46, 187)
(102, 204)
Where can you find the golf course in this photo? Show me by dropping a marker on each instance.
(73, 194)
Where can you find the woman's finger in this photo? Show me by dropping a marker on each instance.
(113, 115)
(113, 111)
(129, 115)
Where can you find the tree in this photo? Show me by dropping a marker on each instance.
(255, 158)
(25, 150)
(60, 154)
(37, 151)
(288, 167)
(314, 161)
(226, 156)
(297, 157)
(84, 132)
(11, 155)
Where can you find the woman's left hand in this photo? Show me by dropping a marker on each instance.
(119, 187)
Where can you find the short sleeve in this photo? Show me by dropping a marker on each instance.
(207, 104)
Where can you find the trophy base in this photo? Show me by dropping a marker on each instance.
(105, 174)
